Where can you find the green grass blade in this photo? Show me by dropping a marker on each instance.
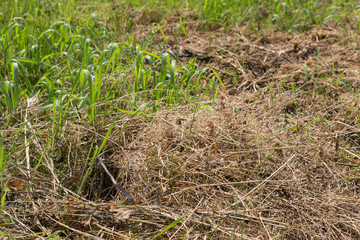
(169, 227)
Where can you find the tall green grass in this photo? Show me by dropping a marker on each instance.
(64, 51)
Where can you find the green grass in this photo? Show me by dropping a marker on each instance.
(65, 51)
(73, 61)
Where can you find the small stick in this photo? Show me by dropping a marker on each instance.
(27, 143)
(73, 229)
(273, 174)
(331, 172)
(128, 197)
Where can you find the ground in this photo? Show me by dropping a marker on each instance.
(274, 156)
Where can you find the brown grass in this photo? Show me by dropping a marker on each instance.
(267, 162)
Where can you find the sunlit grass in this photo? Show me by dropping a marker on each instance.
(82, 62)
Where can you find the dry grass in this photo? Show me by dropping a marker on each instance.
(271, 160)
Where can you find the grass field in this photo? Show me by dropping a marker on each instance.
(214, 119)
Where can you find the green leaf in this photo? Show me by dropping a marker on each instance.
(169, 227)
(327, 122)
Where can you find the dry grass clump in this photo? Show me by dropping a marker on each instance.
(250, 160)
(244, 170)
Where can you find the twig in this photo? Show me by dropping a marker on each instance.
(112, 232)
(224, 184)
(350, 152)
(262, 222)
(20, 223)
(258, 150)
(272, 175)
(73, 229)
(331, 172)
(122, 148)
(49, 162)
(29, 129)
(116, 184)
(188, 217)
(27, 150)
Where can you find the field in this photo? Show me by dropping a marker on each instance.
(214, 119)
